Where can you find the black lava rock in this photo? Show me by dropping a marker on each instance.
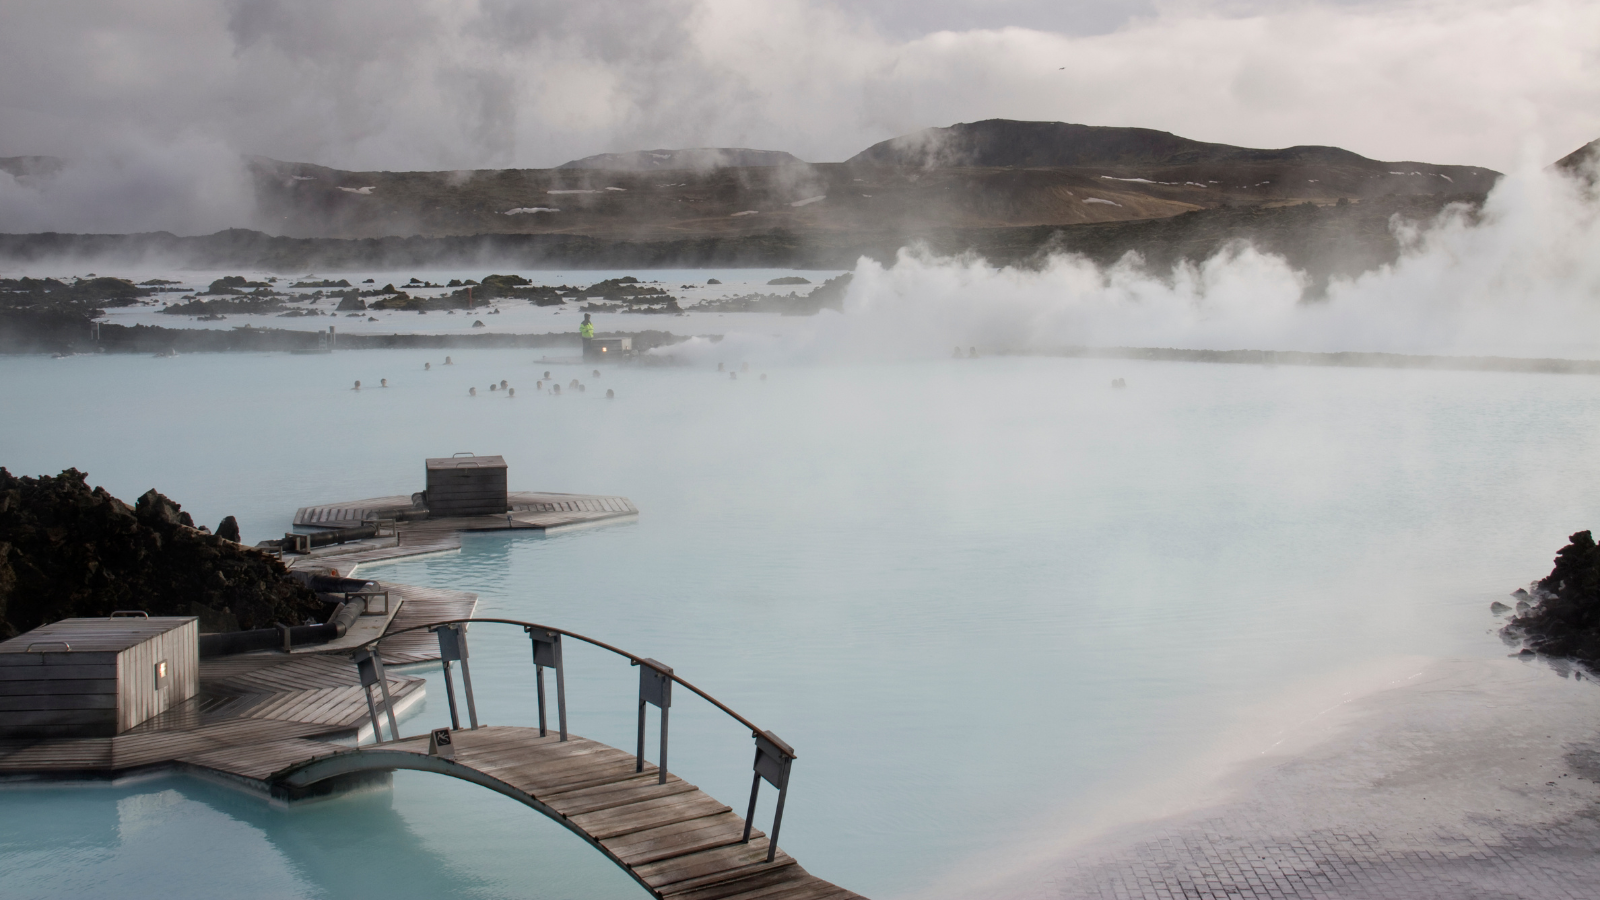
(1564, 617)
(68, 550)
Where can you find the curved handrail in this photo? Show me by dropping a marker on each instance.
(755, 730)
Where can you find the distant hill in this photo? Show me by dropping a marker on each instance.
(995, 174)
(1005, 143)
(699, 158)
(982, 183)
(1577, 160)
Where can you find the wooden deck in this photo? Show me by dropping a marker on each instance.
(530, 511)
(253, 713)
(265, 721)
(674, 839)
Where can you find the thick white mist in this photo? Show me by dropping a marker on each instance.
(1521, 279)
(190, 185)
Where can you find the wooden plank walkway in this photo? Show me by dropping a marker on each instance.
(674, 839)
(263, 720)
(534, 509)
(530, 511)
(421, 606)
(253, 701)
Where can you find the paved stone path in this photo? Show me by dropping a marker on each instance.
(1479, 782)
(1230, 859)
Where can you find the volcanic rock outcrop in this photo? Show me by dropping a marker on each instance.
(70, 550)
(1563, 615)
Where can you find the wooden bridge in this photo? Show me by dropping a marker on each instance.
(675, 840)
(263, 721)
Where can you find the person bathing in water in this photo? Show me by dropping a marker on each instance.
(586, 331)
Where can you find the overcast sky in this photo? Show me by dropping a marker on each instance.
(392, 84)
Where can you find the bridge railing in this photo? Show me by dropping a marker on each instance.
(773, 757)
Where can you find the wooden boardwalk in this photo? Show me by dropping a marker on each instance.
(265, 721)
(530, 511)
(674, 839)
(254, 713)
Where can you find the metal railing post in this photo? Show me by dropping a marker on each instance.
(466, 678)
(449, 652)
(369, 676)
(370, 667)
(538, 683)
(547, 653)
(773, 759)
(372, 712)
(655, 687)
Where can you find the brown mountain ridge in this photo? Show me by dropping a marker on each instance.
(991, 174)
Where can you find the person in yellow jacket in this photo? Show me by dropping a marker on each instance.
(586, 331)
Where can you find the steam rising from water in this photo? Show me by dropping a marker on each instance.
(192, 185)
(1521, 279)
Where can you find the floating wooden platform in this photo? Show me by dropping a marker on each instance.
(674, 839)
(531, 511)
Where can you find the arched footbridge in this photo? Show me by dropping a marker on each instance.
(671, 837)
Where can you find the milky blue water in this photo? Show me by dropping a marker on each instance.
(980, 597)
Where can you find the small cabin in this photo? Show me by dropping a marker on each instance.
(96, 677)
(467, 485)
(607, 348)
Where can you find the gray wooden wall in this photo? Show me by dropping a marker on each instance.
(467, 491)
(137, 696)
(95, 693)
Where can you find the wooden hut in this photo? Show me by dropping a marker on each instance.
(467, 485)
(96, 677)
(602, 349)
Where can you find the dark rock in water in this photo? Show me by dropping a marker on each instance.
(229, 529)
(713, 281)
(1499, 608)
(230, 284)
(1564, 619)
(1520, 594)
(70, 550)
(477, 323)
(789, 279)
(351, 302)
